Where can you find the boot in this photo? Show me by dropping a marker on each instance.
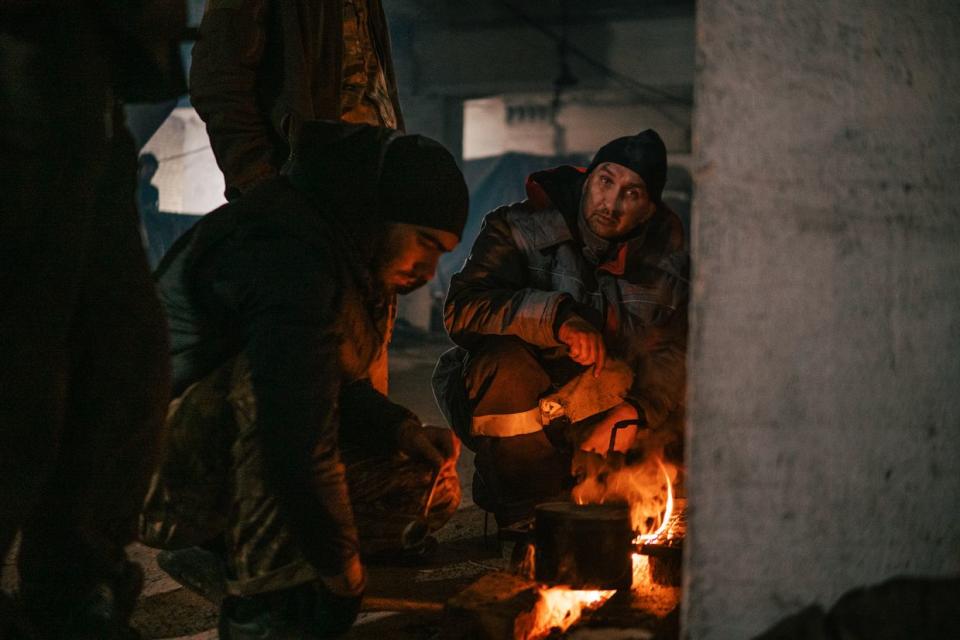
(102, 612)
(305, 612)
(13, 625)
(197, 569)
(247, 619)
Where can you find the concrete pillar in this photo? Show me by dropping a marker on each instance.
(825, 337)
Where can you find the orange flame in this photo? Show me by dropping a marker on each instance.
(528, 564)
(556, 609)
(667, 512)
(642, 486)
(641, 571)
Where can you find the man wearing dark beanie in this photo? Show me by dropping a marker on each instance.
(280, 305)
(569, 316)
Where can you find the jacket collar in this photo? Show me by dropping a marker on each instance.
(555, 192)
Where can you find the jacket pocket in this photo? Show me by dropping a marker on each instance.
(650, 305)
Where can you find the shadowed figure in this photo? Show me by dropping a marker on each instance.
(84, 380)
(285, 458)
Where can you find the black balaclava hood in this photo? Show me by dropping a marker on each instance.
(643, 153)
(420, 183)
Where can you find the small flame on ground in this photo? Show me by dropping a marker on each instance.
(557, 609)
(527, 566)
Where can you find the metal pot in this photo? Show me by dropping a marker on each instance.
(584, 546)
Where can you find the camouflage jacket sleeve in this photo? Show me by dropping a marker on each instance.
(286, 295)
(223, 89)
(491, 296)
(369, 420)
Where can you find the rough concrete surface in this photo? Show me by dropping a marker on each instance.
(824, 419)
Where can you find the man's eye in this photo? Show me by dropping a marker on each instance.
(605, 180)
(633, 194)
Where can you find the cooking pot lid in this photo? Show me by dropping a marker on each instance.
(573, 511)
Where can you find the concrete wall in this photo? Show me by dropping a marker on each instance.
(491, 60)
(589, 119)
(824, 435)
(188, 177)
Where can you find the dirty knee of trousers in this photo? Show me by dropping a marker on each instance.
(518, 472)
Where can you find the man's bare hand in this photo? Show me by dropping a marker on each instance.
(436, 445)
(584, 342)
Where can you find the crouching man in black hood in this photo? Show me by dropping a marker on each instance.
(570, 316)
(280, 305)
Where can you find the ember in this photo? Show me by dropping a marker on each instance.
(648, 489)
(556, 610)
(641, 570)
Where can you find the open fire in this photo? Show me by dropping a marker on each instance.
(648, 489)
(556, 609)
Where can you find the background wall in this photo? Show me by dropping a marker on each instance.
(825, 354)
(587, 120)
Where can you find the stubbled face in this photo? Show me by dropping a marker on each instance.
(409, 256)
(615, 200)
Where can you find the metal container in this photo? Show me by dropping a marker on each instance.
(584, 546)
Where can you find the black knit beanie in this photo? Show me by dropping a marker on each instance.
(643, 153)
(420, 183)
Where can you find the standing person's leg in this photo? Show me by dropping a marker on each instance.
(72, 558)
(52, 148)
(517, 465)
(46, 200)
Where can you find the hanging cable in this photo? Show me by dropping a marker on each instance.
(560, 83)
(181, 155)
(623, 79)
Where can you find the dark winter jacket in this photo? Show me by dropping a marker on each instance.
(261, 68)
(527, 273)
(281, 276)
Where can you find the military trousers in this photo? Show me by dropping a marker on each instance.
(210, 485)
